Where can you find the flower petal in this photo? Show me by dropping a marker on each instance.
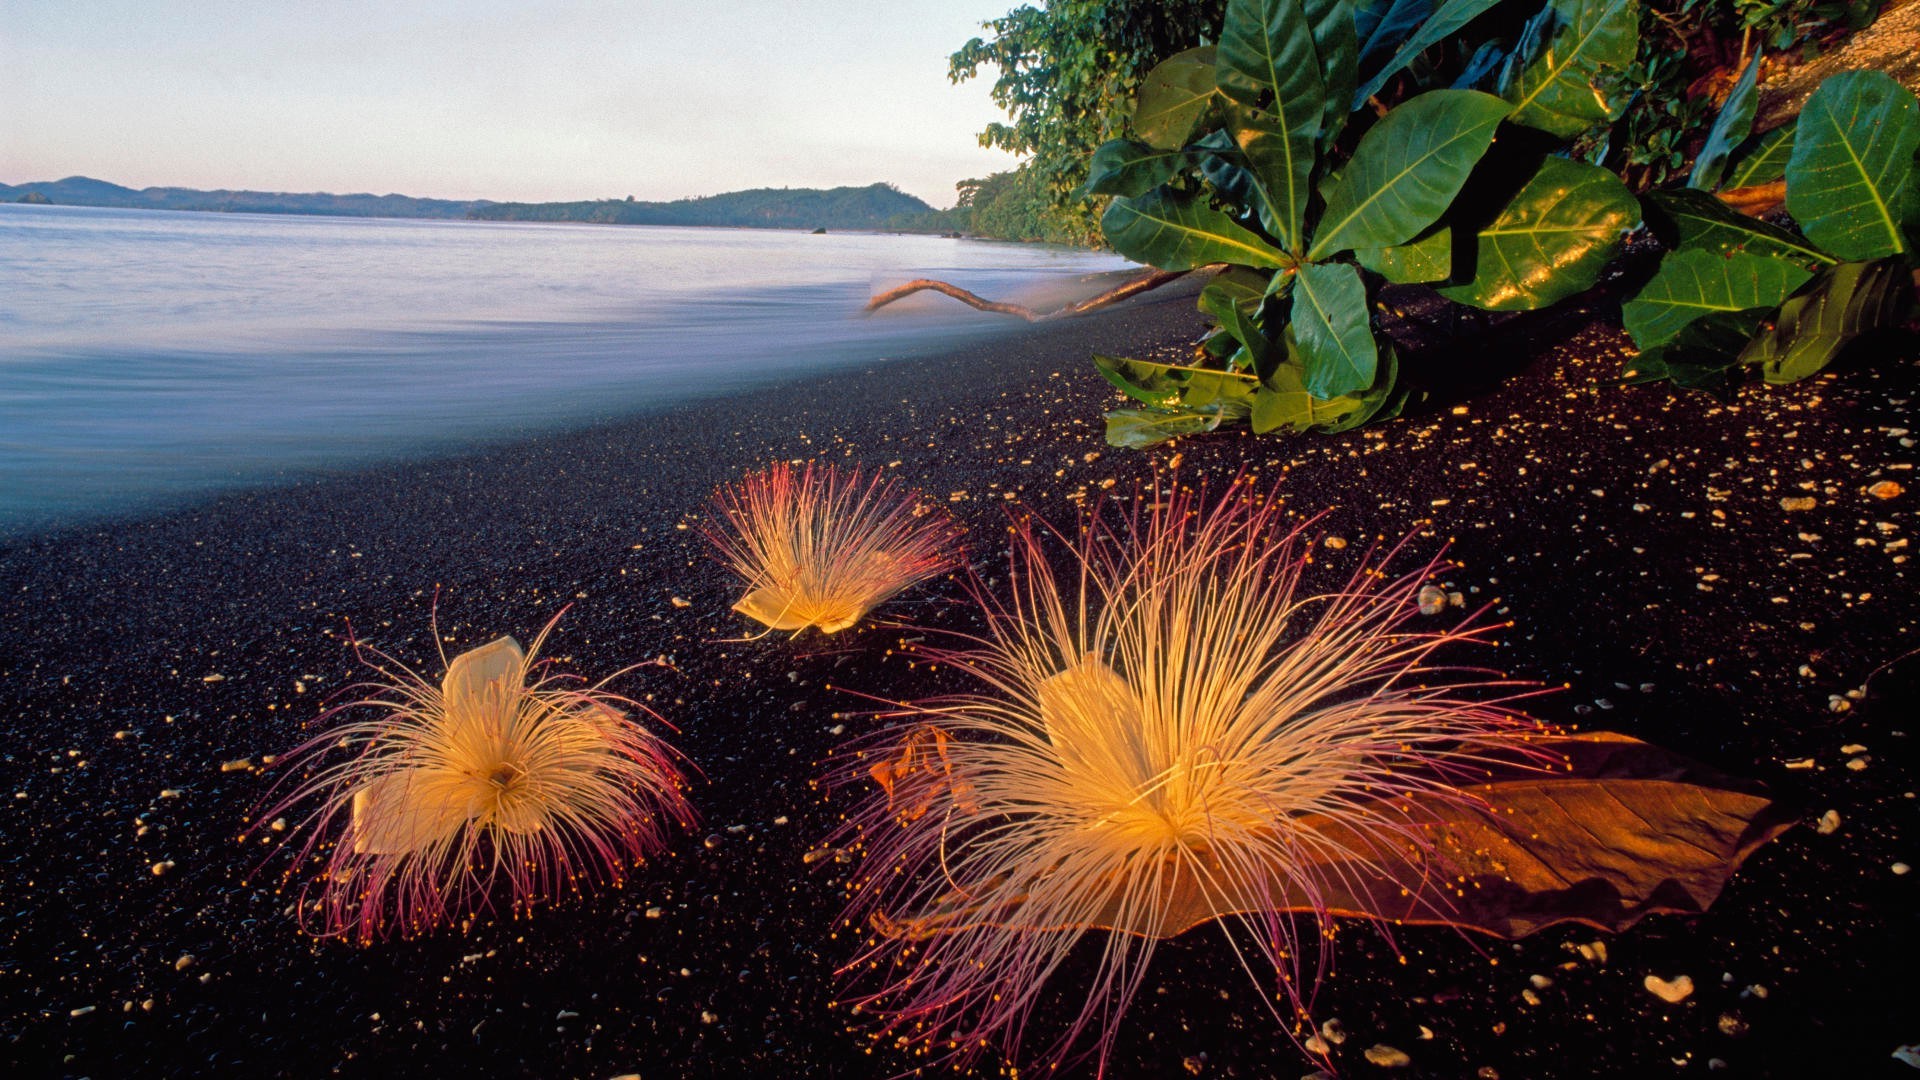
(408, 810)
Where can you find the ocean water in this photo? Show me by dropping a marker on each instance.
(148, 357)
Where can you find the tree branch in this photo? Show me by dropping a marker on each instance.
(1143, 283)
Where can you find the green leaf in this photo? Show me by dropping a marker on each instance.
(1839, 305)
(1179, 232)
(1382, 400)
(1453, 15)
(1268, 64)
(1702, 356)
(1762, 159)
(1729, 130)
(1254, 163)
(1338, 47)
(1285, 405)
(1551, 240)
(1173, 97)
(1330, 321)
(1141, 428)
(1234, 298)
(1384, 25)
(1207, 388)
(1850, 179)
(1692, 283)
(1140, 380)
(1129, 167)
(1427, 257)
(1556, 90)
(1695, 219)
(1407, 170)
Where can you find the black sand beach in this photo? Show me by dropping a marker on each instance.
(1637, 541)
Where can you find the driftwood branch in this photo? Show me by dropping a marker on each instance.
(1134, 287)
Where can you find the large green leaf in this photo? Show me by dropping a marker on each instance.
(1179, 232)
(1850, 179)
(1692, 283)
(1556, 90)
(1130, 167)
(1285, 404)
(1551, 240)
(1257, 164)
(1839, 305)
(1140, 428)
(1139, 379)
(1729, 130)
(1173, 97)
(1269, 64)
(1407, 170)
(1686, 218)
(1762, 159)
(1452, 15)
(1338, 47)
(1427, 257)
(1331, 324)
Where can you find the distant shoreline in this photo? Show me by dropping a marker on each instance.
(877, 207)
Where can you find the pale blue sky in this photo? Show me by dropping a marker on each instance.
(487, 99)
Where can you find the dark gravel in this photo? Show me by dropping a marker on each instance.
(1638, 542)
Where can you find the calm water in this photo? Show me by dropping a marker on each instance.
(148, 356)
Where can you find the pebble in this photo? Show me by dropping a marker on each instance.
(1829, 823)
(1433, 600)
(1885, 489)
(236, 765)
(1801, 502)
(81, 1011)
(1908, 1055)
(185, 962)
(1335, 543)
(1388, 1057)
(162, 867)
(1333, 1032)
(1672, 992)
(1899, 869)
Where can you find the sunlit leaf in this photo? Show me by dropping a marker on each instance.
(1427, 257)
(1551, 240)
(1850, 178)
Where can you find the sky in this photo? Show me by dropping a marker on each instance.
(573, 99)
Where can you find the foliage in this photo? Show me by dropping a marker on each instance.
(1067, 73)
(1737, 294)
(869, 207)
(1015, 205)
(1687, 50)
(1249, 157)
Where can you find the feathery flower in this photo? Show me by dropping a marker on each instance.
(496, 774)
(818, 547)
(1171, 733)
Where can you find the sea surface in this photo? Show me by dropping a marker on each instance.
(150, 357)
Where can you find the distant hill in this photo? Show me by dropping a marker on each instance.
(86, 191)
(878, 206)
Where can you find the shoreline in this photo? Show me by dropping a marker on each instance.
(1636, 540)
